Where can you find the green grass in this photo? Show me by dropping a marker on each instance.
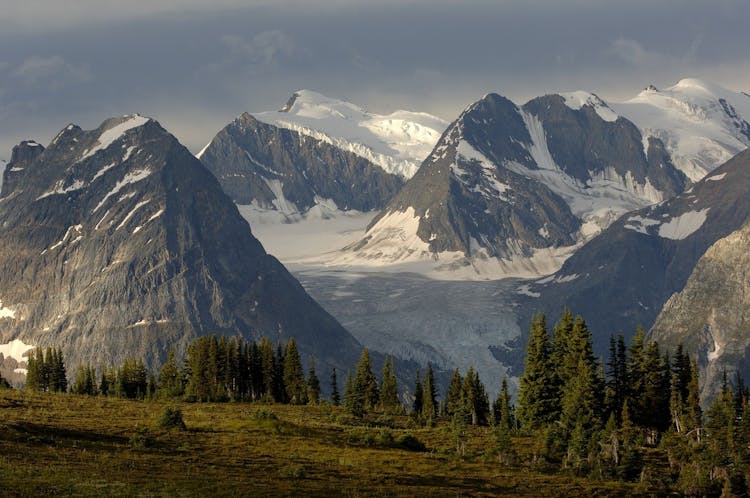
(53, 445)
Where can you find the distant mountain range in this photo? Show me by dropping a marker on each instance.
(317, 156)
(118, 242)
(514, 191)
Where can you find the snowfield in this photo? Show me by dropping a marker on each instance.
(397, 142)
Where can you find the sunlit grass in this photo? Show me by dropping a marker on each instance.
(75, 445)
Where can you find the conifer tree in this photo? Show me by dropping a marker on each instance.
(35, 365)
(335, 396)
(279, 389)
(199, 382)
(58, 374)
(560, 344)
(693, 411)
(418, 404)
(294, 377)
(538, 403)
(475, 398)
(353, 397)
(617, 380)
(389, 401)
(453, 393)
(365, 382)
(170, 381)
(313, 384)
(268, 369)
(429, 398)
(104, 382)
(501, 408)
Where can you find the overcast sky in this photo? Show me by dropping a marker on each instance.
(195, 65)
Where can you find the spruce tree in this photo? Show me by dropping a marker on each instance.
(294, 377)
(501, 409)
(429, 398)
(313, 384)
(268, 369)
(418, 404)
(34, 370)
(335, 397)
(389, 401)
(170, 381)
(475, 398)
(453, 393)
(693, 411)
(538, 403)
(279, 389)
(365, 382)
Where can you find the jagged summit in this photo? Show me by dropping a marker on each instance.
(701, 123)
(519, 187)
(117, 241)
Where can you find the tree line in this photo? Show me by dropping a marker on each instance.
(602, 419)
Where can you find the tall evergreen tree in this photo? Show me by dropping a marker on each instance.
(617, 380)
(268, 369)
(335, 396)
(279, 389)
(365, 382)
(313, 384)
(34, 368)
(170, 380)
(475, 398)
(429, 398)
(418, 403)
(538, 403)
(389, 401)
(294, 377)
(453, 393)
(502, 410)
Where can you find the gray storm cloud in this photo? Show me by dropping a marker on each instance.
(195, 65)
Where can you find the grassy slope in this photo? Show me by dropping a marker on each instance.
(73, 445)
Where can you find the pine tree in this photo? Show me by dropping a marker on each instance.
(335, 397)
(693, 411)
(313, 384)
(453, 394)
(353, 398)
(418, 404)
(170, 381)
(294, 378)
(538, 402)
(475, 398)
(501, 408)
(268, 369)
(617, 380)
(279, 389)
(58, 374)
(34, 367)
(365, 382)
(429, 398)
(559, 347)
(389, 401)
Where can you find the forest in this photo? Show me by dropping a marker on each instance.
(634, 418)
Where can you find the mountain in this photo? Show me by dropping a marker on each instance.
(709, 316)
(701, 124)
(118, 241)
(623, 277)
(318, 155)
(520, 186)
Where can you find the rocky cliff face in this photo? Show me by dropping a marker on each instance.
(118, 242)
(623, 277)
(711, 314)
(517, 183)
(277, 169)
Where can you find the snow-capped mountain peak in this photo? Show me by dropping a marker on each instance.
(701, 123)
(578, 99)
(397, 142)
